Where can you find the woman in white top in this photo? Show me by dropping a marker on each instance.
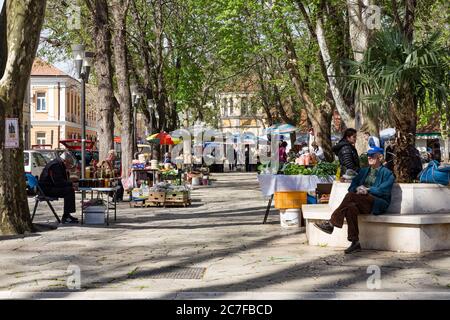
(318, 151)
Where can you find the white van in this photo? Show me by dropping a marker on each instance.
(34, 162)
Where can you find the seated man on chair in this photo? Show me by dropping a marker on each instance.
(369, 192)
(55, 182)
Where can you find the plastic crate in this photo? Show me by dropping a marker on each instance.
(290, 199)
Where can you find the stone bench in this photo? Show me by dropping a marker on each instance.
(417, 220)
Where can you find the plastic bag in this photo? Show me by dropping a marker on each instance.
(127, 183)
(433, 174)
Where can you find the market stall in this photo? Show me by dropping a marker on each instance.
(159, 182)
(293, 184)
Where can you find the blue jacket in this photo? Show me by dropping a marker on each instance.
(381, 189)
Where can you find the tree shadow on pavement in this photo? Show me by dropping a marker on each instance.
(343, 272)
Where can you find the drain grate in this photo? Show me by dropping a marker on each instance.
(170, 273)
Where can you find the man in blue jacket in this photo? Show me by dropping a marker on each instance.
(369, 192)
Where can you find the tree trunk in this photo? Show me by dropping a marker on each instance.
(103, 68)
(162, 100)
(148, 74)
(20, 26)
(119, 12)
(320, 116)
(347, 117)
(359, 39)
(327, 64)
(405, 119)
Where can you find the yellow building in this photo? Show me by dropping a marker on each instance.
(55, 107)
(240, 110)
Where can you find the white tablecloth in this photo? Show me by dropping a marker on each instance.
(270, 183)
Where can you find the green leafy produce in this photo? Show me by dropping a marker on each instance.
(292, 169)
(324, 169)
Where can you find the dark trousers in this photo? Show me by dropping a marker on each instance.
(68, 193)
(352, 205)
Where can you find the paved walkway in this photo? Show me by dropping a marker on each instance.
(150, 253)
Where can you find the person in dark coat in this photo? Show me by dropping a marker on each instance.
(369, 192)
(346, 151)
(55, 182)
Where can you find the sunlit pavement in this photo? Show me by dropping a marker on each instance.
(217, 248)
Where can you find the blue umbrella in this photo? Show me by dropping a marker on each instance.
(286, 128)
(272, 128)
(280, 129)
(212, 144)
(262, 138)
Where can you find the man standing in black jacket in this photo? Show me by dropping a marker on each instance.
(55, 182)
(346, 151)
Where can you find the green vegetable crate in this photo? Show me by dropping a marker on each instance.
(177, 198)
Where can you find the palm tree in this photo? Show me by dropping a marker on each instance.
(398, 76)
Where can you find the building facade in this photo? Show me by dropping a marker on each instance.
(55, 107)
(239, 113)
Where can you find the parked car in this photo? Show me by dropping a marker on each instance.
(34, 163)
(74, 172)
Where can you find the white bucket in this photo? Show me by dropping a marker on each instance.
(154, 164)
(94, 215)
(290, 218)
(195, 181)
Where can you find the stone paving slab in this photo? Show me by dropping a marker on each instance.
(223, 232)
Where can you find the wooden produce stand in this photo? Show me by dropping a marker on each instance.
(163, 199)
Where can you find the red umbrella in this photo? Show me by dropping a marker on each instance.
(162, 138)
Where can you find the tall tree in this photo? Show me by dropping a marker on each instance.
(20, 26)
(399, 76)
(99, 12)
(119, 10)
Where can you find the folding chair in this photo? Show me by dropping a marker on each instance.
(40, 196)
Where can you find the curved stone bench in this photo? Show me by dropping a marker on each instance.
(417, 220)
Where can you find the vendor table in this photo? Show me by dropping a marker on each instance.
(135, 172)
(101, 191)
(271, 183)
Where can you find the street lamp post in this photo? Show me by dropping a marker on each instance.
(151, 106)
(83, 61)
(136, 96)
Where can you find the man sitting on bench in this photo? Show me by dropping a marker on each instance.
(55, 182)
(369, 192)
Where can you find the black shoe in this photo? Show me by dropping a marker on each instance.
(355, 246)
(69, 219)
(325, 227)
